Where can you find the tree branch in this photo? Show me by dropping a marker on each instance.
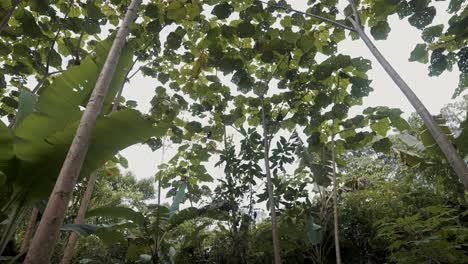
(128, 78)
(8, 15)
(46, 73)
(324, 19)
(43, 79)
(78, 48)
(355, 12)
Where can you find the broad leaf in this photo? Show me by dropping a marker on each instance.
(381, 30)
(27, 102)
(118, 212)
(314, 231)
(222, 11)
(419, 54)
(59, 104)
(42, 160)
(178, 198)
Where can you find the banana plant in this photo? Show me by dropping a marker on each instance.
(34, 149)
(145, 233)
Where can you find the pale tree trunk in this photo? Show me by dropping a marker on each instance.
(274, 227)
(73, 239)
(48, 231)
(335, 204)
(441, 139)
(163, 150)
(6, 18)
(439, 136)
(29, 230)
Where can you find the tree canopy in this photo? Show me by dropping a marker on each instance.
(257, 104)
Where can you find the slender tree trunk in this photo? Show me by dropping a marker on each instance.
(439, 136)
(29, 230)
(274, 228)
(73, 239)
(159, 180)
(48, 231)
(6, 18)
(335, 205)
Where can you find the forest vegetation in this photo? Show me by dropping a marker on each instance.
(272, 164)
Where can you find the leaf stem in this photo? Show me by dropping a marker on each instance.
(324, 19)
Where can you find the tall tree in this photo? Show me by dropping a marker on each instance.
(441, 139)
(439, 136)
(73, 239)
(335, 201)
(271, 198)
(48, 231)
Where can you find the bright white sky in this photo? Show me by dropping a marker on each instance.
(434, 92)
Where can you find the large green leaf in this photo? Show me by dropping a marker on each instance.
(314, 231)
(111, 134)
(2, 178)
(118, 212)
(59, 104)
(382, 145)
(81, 229)
(178, 198)
(6, 157)
(222, 11)
(381, 30)
(412, 142)
(419, 54)
(27, 102)
(107, 233)
(213, 211)
(462, 140)
(6, 144)
(381, 126)
(429, 141)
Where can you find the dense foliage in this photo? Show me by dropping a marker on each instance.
(248, 95)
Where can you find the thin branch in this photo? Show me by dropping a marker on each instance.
(46, 72)
(39, 84)
(355, 11)
(56, 72)
(128, 78)
(78, 48)
(140, 68)
(331, 21)
(6, 18)
(43, 79)
(116, 104)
